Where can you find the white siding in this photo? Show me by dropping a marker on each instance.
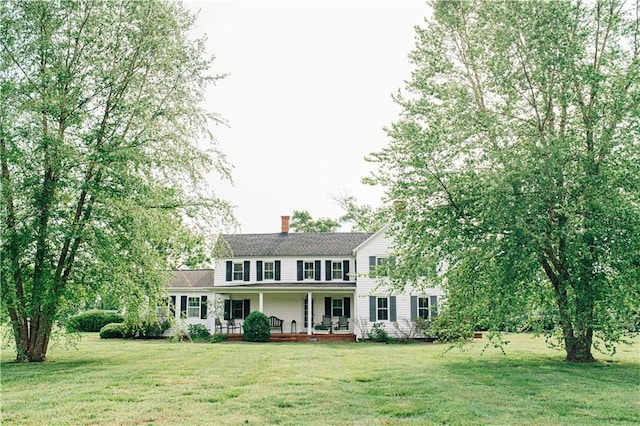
(185, 322)
(379, 246)
(288, 271)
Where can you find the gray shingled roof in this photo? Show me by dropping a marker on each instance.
(302, 244)
(197, 278)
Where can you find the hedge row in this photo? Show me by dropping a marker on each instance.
(92, 321)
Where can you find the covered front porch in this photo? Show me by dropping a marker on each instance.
(332, 305)
(302, 337)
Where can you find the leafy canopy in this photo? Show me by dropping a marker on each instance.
(105, 152)
(517, 157)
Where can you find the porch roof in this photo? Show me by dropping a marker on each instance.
(302, 244)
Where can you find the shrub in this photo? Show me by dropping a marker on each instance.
(256, 327)
(378, 333)
(198, 332)
(451, 331)
(92, 321)
(115, 330)
(218, 338)
(145, 329)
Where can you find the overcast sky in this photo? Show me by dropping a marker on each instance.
(307, 97)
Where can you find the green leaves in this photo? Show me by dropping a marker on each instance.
(106, 149)
(517, 126)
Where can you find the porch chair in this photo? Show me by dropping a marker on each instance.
(231, 326)
(343, 323)
(326, 321)
(218, 326)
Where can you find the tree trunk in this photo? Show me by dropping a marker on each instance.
(578, 348)
(32, 348)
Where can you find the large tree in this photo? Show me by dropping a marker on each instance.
(517, 159)
(104, 150)
(301, 221)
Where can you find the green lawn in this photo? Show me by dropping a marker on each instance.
(160, 382)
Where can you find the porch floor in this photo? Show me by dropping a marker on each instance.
(301, 337)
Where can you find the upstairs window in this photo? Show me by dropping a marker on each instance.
(336, 270)
(378, 266)
(309, 271)
(268, 271)
(238, 271)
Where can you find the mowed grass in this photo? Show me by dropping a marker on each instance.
(109, 382)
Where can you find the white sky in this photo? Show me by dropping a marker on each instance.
(307, 97)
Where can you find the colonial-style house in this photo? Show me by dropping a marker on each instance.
(302, 279)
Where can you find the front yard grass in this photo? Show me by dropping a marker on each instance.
(107, 382)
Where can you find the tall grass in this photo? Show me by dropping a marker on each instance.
(106, 382)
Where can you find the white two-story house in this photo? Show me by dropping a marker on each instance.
(302, 279)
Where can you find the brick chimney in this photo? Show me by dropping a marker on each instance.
(285, 224)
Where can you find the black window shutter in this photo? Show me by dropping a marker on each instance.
(172, 306)
(372, 308)
(299, 270)
(327, 306)
(247, 307)
(183, 306)
(317, 270)
(277, 270)
(203, 307)
(392, 309)
(433, 304)
(372, 263)
(227, 309)
(259, 270)
(247, 265)
(414, 308)
(345, 270)
(346, 304)
(229, 270)
(327, 270)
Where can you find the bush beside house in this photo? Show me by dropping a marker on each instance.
(92, 321)
(256, 327)
(112, 331)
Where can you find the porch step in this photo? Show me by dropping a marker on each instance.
(300, 337)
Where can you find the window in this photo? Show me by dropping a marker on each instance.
(268, 271)
(336, 270)
(309, 271)
(423, 307)
(193, 307)
(378, 266)
(383, 309)
(237, 309)
(336, 305)
(238, 271)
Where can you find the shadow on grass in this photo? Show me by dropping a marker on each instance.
(12, 370)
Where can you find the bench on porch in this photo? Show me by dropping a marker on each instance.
(275, 322)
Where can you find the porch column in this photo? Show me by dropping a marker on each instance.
(354, 312)
(261, 302)
(309, 313)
